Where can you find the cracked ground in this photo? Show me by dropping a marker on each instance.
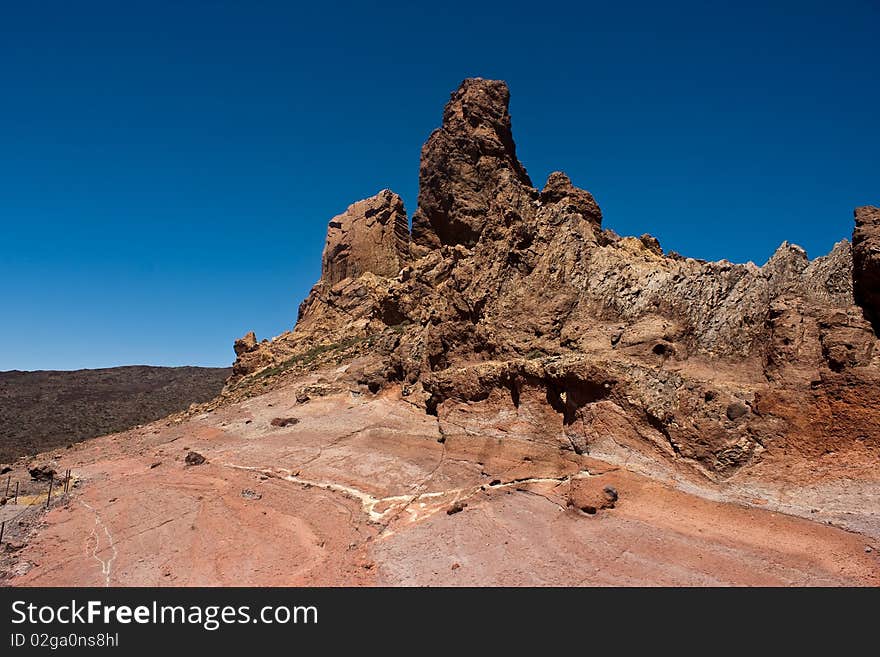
(370, 490)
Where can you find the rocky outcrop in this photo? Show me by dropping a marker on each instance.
(559, 190)
(250, 355)
(470, 178)
(371, 236)
(245, 344)
(866, 262)
(506, 293)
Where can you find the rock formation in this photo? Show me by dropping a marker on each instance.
(866, 262)
(371, 236)
(510, 394)
(511, 299)
(469, 175)
(245, 344)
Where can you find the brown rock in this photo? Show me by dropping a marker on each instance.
(194, 458)
(251, 360)
(736, 410)
(284, 421)
(866, 262)
(245, 344)
(847, 339)
(468, 165)
(652, 244)
(516, 303)
(370, 236)
(559, 189)
(591, 494)
(519, 345)
(456, 507)
(43, 472)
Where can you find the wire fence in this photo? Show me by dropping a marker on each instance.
(35, 500)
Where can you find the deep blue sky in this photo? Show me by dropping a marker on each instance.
(168, 168)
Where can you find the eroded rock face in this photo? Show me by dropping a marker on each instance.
(866, 262)
(470, 177)
(245, 344)
(371, 236)
(559, 190)
(511, 297)
(250, 355)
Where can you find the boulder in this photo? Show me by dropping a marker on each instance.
(43, 472)
(591, 494)
(194, 458)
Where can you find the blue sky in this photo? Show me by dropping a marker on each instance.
(168, 169)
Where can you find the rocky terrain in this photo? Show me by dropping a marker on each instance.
(508, 393)
(49, 409)
(504, 291)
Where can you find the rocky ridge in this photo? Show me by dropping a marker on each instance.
(509, 299)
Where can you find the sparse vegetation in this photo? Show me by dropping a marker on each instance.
(47, 410)
(312, 355)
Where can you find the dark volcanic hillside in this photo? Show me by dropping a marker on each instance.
(43, 410)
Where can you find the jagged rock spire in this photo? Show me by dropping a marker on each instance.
(468, 163)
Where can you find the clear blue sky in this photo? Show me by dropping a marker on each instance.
(168, 168)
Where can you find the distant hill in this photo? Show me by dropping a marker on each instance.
(47, 409)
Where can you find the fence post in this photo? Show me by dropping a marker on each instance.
(49, 496)
(6, 494)
(2, 529)
(16, 493)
